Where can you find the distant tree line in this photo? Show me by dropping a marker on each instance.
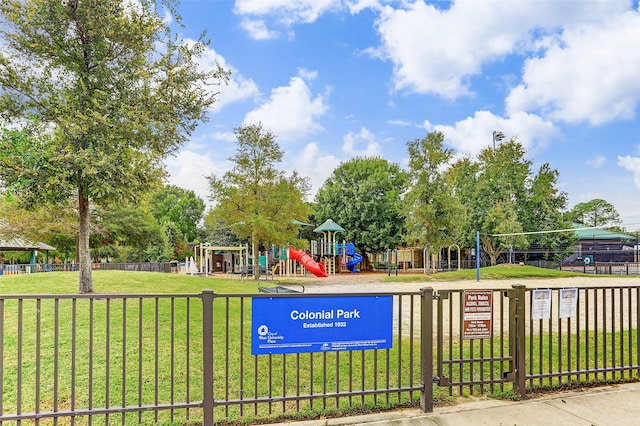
(439, 200)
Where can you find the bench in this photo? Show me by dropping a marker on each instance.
(247, 271)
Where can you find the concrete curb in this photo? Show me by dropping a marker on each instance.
(606, 405)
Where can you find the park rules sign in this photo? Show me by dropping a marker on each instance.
(477, 314)
(283, 325)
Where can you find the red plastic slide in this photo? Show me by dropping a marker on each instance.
(311, 265)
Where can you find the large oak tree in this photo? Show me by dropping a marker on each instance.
(363, 195)
(114, 90)
(181, 207)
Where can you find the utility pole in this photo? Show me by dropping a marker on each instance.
(497, 136)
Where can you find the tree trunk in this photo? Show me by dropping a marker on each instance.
(427, 262)
(256, 265)
(490, 248)
(84, 215)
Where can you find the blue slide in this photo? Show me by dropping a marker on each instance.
(351, 265)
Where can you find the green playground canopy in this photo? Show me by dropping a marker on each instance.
(329, 226)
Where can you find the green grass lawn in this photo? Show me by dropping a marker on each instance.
(121, 282)
(157, 363)
(153, 282)
(144, 349)
(139, 350)
(498, 272)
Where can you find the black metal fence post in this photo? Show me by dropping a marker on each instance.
(426, 349)
(519, 320)
(207, 357)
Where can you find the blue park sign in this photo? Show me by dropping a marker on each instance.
(283, 325)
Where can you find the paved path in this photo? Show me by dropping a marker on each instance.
(368, 282)
(601, 406)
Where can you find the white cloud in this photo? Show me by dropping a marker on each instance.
(287, 11)
(188, 170)
(225, 136)
(587, 74)
(257, 29)
(318, 167)
(434, 50)
(307, 74)
(402, 123)
(471, 135)
(238, 87)
(292, 111)
(584, 197)
(352, 144)
(597, 162)
(356, 6)
(167, 17)
(631, 164)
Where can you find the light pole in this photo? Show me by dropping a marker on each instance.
(497, 136)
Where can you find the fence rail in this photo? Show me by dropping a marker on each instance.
(176, 358)
(13, 269)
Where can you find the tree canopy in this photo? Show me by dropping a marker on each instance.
(363, 195)
(130, 232)
(180, 207)
(543, 210)
(501, 195)
(54, 224)
(111, 90)
(595, 213)
(256, 200)
(502, 219)
(434, 214)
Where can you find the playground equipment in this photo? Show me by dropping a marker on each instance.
(326, 249)
(349, 257)
(189, 267)
(327, 257)
(310, 265)
(229, 259)
(338, 257)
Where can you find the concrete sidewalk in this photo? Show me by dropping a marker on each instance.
(607, 405)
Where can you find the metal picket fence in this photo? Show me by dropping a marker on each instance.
(179, 358)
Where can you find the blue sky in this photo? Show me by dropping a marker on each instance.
(335, 79)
